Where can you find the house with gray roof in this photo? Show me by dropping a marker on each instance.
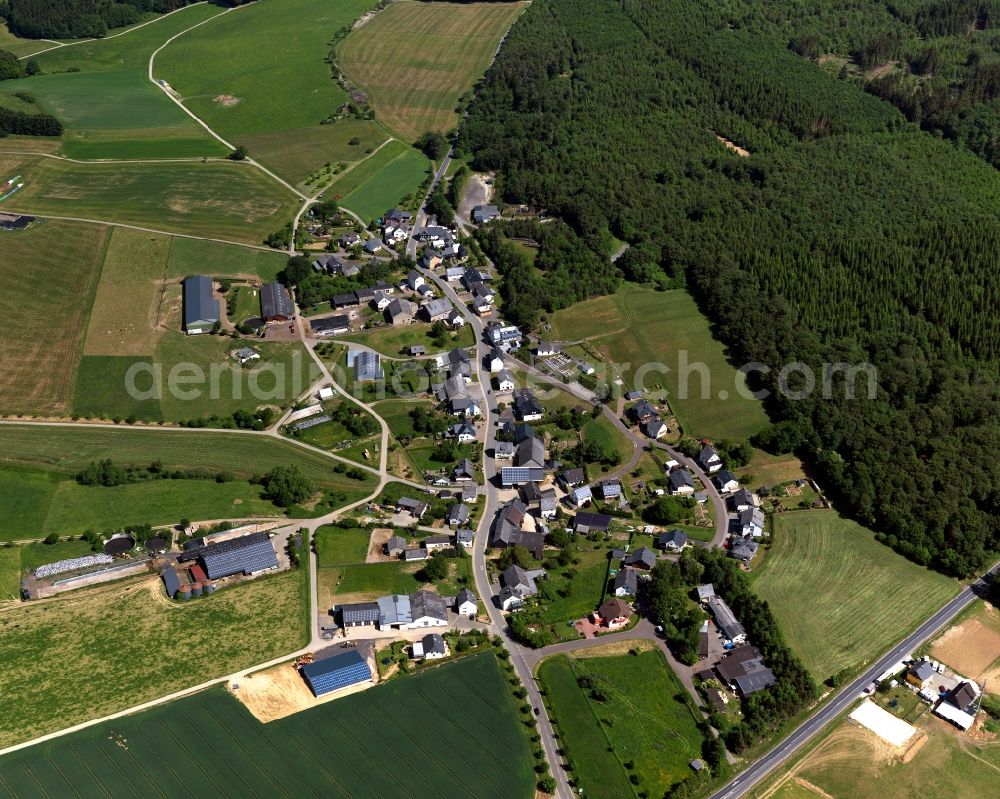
(681, 483)
(395, 546)
(201, 309)
(457, 514)
(427, 609)
(400, 311)
(484, 213)
(643, 558)
(672, 541)
(626, 582)
(436, 310)
(530, 452)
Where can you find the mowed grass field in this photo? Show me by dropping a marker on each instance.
(840, 597)
(389, 186)
(270, 58)
(222, 200)
(415, 60)
(332, 750)
(102, 94)
(200, 257)
(49, 274)
(646, 723)
(39, 496)
(638, 326)
(17, 45)
(103, 650)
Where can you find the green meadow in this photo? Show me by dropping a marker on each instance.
(197, 256)
(389, 185)
(260, 70)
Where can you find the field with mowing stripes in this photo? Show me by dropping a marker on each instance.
(415, 60)
(99, 651)
(258, 76)
(209, 743)
(47, 309)
(223, 200)
(646, 724)
(389, 186)
(861, 596)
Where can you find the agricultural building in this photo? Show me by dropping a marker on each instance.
(333, 674)
(201, 309)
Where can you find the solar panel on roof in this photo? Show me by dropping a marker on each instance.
(332, 674)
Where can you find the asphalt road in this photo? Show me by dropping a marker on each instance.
(848, 695)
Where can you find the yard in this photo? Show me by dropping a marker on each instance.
(573, 597)
(362, 582)
(129, 644)
(840, 597)
(40, 353)
(629, 718)
(337, 545)
(210, 739)
(395, 341)
(415, 60)
(638, 326)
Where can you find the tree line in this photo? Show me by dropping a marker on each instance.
(849, 235)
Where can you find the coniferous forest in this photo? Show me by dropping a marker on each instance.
(855, 230)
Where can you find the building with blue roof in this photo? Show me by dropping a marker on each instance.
(248, 554)
(201, 309)
(333, 674)
(171, 582)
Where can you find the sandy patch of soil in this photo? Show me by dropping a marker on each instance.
(970, 648)
(226, 100)
(376, 545)
(740, 151)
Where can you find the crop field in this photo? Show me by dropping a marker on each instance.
(861, 595)
(132, 645)
(101, 93)
(638, 326)
(230, 201)
(196, 256)
(853, 762)
(416, 60)
(249, 92)
(646, 724)
(41, 350)
(210, 739)
(123, 319)
(389, 186)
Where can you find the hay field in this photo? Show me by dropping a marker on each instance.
(196, 256)
(258, 76)
(639, 326)
(49, 273)
(226, 200)
(101, 93)
(211, 743)
(123, 320)
(840, 597)
(415, 60)
(128, 644)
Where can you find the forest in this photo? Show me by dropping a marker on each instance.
(844, 234)
(78, 19)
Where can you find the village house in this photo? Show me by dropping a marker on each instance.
(613, 613)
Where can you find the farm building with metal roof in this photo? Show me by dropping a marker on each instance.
(275, 304)
(201, 309)
(333, 674)
(248, 554)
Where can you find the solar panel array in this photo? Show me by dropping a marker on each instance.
(332, 674)
(512, 475)
(249, 554)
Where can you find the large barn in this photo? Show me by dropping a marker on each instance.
(275, 304)
(201, 309)
(333, 674)
(248, 554)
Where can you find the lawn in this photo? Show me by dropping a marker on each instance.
(51, 306)
(330, 750)
(124, 317)
(641, 722)
(603, 431)
(367, 581)
(131, 646)
(416, 60)
(859, 596)
(389, 186)
(102, 94)
(242, 303)
(584, 589)
(395, 341)
(225, 200)
(640, 326)
(196, 257)
(283, 87)
(358, 175)
(336, 546)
